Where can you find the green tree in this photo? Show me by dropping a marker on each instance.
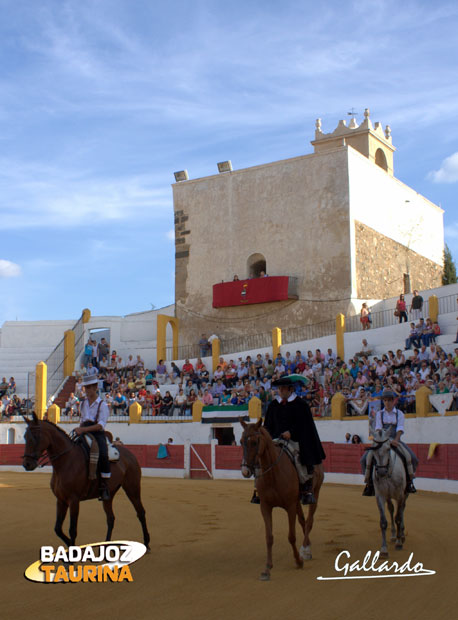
(449, 274)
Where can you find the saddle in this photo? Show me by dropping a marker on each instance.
(91, 449)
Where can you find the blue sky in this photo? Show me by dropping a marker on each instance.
(101, 101)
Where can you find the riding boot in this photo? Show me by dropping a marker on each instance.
(255, 499)
(104, 492)
(369, 490)
(410, 488)
(306, 493)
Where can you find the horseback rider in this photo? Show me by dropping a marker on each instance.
(288, 417)
(94, 416)
(390, 419)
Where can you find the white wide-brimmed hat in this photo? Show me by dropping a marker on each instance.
(89, 380)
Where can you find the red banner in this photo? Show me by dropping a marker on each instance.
(253, 291)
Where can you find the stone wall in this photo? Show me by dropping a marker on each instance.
(381, 264)
(293, 213)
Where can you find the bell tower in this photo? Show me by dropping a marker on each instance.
(371, 141)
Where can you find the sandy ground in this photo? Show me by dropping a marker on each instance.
(208, 551)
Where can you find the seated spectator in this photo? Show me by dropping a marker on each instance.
(91, 369)
(175, 373)
(156, 404)
(139, 364)
(119, 404)
(357, 438)
(11, 386)
(366, 349)
(72, 406)
(207, 398)
(428, 335)
(218, 374)
(180, 403)
(190, 402)
(140, 382)
(148, 377)
(161, 372)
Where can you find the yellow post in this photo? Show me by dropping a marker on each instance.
(216, 352)
(162, 321)
(340, 331)
(54, 414)
(422, 404)
(338, 406)
(276, 341)
(86, 315)
(69, 352)
(41, 378)
(135, 413)
(254, 408)
(433, 308)
(197, 411)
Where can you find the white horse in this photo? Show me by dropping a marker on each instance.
(389, 484)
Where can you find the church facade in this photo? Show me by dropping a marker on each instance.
(330, 230)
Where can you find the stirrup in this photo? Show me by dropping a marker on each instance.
(410, 488)
(369, 490)
(255, 499)
(104, 493)
(307, 498)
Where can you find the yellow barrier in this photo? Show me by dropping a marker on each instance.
(338, 406)
(135, 413)
(340, 333)
(54, 414)
(276, 341)
(216, 352)
(41, 378)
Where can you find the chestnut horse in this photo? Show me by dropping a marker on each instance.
(70, 483)
(277, 484)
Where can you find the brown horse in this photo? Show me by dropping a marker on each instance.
(277, 484)
(70, 483)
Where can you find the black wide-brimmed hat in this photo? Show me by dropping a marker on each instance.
(289, 380)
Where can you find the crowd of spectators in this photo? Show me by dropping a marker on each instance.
(360, 379)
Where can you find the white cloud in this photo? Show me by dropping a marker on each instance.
(9, 269)
(448, 172)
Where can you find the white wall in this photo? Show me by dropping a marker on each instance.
(379, 201)
(418, 430)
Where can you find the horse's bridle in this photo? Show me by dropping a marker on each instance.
(255, 470)
(45, 457)
(374, 449)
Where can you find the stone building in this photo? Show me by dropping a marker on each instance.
(330, 229)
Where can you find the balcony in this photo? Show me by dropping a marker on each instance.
(254, 291)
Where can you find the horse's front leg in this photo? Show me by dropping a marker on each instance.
(74, 512)
(400, 538)
(391, 510)
(383, 525)
(62, 508)
(267, 515)
(108, 507)
(292, 535)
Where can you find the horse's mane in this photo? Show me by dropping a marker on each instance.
(54, 426)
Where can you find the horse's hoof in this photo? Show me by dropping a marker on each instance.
(393, 538)
(305, 553)
(264, 577)
(299, 564)
(383, 554)
(148, 550)
(398, 546)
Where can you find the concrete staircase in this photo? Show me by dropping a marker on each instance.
(18, 362)
(67, 389)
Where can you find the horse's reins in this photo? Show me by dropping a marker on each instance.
(253, 468)
(377, 447)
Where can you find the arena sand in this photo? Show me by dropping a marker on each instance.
(208, 550)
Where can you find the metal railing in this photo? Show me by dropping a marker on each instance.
(382, 318)
(308, 332)
(246, 343)
(185, 351)
(448, 304)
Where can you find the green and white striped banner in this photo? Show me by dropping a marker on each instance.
(224, 413)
